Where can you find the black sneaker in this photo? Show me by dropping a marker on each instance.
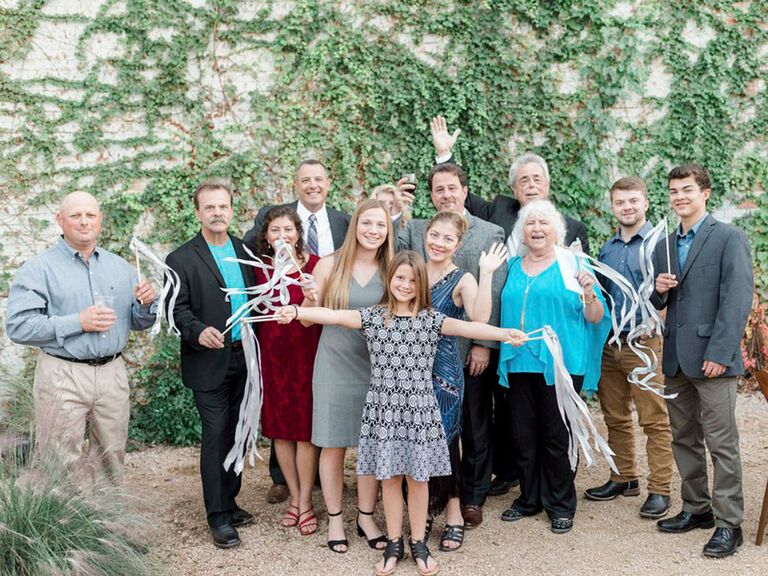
(561, 525)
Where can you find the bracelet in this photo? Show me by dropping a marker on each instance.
(295, 311)
(588, 302)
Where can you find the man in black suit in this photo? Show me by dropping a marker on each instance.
(324, 231)
(705, 282)
(212, 363)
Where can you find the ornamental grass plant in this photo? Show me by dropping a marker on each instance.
(50, 526)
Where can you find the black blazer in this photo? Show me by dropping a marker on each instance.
(503, 211)
(708, 310)
(201, 304)
(338, 220)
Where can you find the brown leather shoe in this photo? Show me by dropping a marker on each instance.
(277, 493)
(473, 515)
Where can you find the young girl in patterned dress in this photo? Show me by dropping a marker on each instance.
(401, 433)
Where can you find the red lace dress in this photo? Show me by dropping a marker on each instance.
(287, 358)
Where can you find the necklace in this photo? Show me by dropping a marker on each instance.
(529, 280)
(444, 271)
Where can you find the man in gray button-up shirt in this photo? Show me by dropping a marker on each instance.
(77, 303)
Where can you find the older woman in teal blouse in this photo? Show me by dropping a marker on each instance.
(547, 286)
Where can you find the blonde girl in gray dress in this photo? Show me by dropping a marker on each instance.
(351, 277)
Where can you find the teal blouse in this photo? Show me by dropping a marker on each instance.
(549, 303)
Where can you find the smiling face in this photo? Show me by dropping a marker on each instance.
(79, 218)
(371, 230)
(539, 234)
(312, 186)
(448, 193)
(531, 183)
(688, 200)
(214, 211)
(403, 284)
(282, 228)
(442, 241)
(629, 207)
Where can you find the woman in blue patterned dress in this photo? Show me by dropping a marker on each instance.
(454, 292)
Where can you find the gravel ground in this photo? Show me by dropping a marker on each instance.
(608, 538)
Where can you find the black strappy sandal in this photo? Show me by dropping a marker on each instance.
(395, 549)
(452, 533)
(372, 542)
(420, 551)
(333, 543)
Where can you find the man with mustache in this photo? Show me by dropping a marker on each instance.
(212, 363)
(706, 286)
(78, 303)
(629, 202)
(324, 231)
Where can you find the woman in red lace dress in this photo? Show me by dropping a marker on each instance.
(287, 358)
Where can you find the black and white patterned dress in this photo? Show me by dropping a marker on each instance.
(401, 431)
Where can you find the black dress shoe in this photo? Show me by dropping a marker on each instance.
(225, 536)
(499, 486)
(685, 522)
(655, 506)
(611, 490)
(724, 542)
(241, 517)
(561, 525)
(512, 514)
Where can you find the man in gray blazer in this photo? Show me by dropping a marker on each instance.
(448, 189)
(706, 286)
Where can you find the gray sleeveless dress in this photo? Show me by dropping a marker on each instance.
(342, 374)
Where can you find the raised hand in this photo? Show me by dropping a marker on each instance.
(441, 139)
(309, 287)
(404, 194)
(495, 257)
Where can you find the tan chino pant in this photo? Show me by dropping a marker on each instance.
(616, 395)
(69, 394)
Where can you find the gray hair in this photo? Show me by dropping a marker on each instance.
(539, 209)
(527, 158)
(383, 188)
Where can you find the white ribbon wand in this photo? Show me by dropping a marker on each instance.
(573, 410)
(164, 276)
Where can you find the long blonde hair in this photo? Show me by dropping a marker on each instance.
(337, 290)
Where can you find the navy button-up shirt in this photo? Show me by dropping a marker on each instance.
(624, 257)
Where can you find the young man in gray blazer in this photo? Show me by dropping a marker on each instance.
(706, 286)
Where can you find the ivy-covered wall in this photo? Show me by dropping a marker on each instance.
(135, 100)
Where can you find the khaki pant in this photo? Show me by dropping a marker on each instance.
(69, 394)
(616, 396)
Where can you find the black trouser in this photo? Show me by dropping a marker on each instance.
(274, 468)
(476, 433)
(219, 411)
(504, 460)
(540, 440)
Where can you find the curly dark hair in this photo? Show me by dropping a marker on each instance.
(263, 247)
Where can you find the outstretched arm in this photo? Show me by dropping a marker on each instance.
(317, 315)
(482, 331)
(476, 297)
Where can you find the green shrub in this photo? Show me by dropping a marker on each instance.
(163, 409)
(48, 527)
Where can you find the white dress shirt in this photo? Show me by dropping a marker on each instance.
(324, 236)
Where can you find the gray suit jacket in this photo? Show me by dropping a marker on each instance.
(708, 310)
(480, 235)
(338, 220)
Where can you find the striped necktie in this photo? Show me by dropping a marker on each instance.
(312, 235)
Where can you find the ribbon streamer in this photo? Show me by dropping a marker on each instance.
(625, 318)
(573, 410)
(264, 300)
(160, 272)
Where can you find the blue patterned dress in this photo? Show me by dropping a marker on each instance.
(448, 385)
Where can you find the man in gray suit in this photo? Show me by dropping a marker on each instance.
(706, 286)
(448, 189)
